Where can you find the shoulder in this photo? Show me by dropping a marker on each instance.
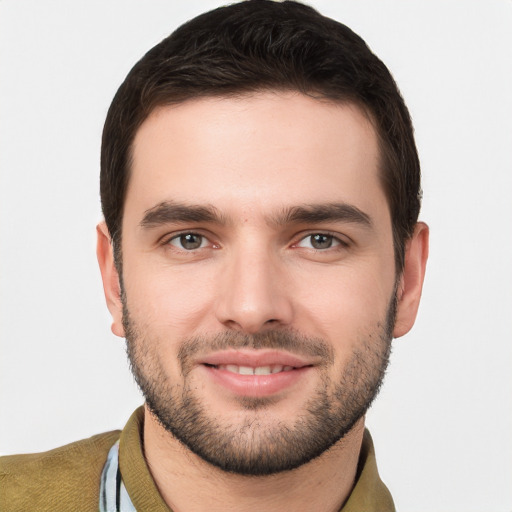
(66, 478)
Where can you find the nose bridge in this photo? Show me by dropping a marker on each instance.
(252, 293)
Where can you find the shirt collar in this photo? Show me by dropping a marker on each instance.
(369, 492)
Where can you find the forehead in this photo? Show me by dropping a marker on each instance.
(256, 151)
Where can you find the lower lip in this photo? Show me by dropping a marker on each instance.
(256, 385)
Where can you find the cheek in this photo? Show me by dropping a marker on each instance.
(168, 298)
(345, 305)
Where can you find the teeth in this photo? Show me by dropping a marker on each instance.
(245, 370)
(262, 370)
(259, 370)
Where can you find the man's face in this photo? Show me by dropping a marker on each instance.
(258, 275)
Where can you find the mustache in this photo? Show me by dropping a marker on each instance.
(287, 340)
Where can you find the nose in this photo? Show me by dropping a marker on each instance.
(253, 295)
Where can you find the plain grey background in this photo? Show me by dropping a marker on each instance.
(443, 422)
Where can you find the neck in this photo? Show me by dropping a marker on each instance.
(189, 484)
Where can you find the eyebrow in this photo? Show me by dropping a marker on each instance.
(168, 212)
(313, 213)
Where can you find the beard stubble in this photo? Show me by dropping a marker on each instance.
(256, 446)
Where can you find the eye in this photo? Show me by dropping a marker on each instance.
(188, 241)
(319, 241)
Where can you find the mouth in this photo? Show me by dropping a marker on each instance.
(249, 370)
(255, 373)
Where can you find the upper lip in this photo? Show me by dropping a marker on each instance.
(255, 358)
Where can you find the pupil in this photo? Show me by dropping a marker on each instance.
(190, 241)
(321, 241)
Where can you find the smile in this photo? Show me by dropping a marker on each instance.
(255, 379)
(259, 370)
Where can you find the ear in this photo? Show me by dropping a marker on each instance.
(111, 286)
(411, 281)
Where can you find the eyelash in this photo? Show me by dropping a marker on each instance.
(339, 242)
(334, 239)
(167, 241)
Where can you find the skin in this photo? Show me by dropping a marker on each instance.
(251, 158)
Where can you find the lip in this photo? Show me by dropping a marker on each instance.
(255, 358)
(255, 385)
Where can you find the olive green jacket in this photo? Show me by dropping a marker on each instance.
(67, 478)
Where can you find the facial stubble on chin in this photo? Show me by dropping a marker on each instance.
(257, 446)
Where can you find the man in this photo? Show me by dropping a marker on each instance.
(261, 190)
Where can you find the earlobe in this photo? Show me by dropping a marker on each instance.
(110, 277)
(411, 281)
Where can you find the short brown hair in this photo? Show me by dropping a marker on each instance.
(264, 45)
